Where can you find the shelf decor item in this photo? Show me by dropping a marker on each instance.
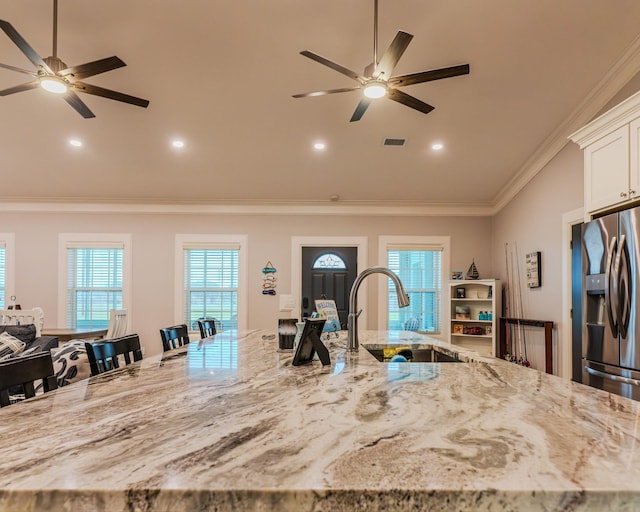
(460, 293)
(472, 273)
(463, 313)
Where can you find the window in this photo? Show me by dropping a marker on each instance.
(211, 286)
(3, 281)
(7, 271)
(420, 268)
(95, 278)
(329, 261)
(211, 280)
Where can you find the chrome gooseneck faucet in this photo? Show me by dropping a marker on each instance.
(352, 319)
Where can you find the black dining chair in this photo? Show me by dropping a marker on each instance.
(103, 355)
(207, 327)
(20, 373)
(174, 337)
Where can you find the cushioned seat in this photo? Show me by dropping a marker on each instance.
(27, 334)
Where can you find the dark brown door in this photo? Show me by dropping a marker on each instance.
(328, 272)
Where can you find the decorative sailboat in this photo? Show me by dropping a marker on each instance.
(472, 273)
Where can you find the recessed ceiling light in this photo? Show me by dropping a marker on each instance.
(437, 146)
(319, 146)
(177, 143)
(75, 143)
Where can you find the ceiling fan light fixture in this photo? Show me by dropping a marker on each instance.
(375, 89)
(53, 84)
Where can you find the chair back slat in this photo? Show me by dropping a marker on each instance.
(103, 355)
(174, 337)
(118, 322)
(207, 327)
(23, 371)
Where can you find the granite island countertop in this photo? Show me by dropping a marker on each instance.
(229, 424)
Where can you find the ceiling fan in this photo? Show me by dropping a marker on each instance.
(53, 75)
(377, 80)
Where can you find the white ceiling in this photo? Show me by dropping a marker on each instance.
(221, 76)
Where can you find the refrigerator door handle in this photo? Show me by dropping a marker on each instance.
(607, 289)
(624, 302)
(611, 376)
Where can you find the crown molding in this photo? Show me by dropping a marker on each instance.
(251, 208)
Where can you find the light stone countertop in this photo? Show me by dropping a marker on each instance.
(229, 424)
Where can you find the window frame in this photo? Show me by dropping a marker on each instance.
(442, 243)
(92, 241)
(209, 241)
(8, 240)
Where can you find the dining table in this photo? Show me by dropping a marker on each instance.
(65, 334)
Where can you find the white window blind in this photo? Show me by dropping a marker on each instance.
(3, 280)
(211, 285)
(420, 270)
(94, 284)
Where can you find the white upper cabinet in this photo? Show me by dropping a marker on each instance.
(611, 157)
(606, 171)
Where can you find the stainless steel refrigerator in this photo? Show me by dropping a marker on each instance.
(610, 307)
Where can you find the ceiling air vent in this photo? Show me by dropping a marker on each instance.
(394, 142)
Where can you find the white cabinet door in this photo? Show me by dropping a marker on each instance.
(606, 163)
(634, 164)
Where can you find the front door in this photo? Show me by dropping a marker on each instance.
(328, 273)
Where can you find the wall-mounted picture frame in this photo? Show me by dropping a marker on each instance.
(534, 269)
(457, 275)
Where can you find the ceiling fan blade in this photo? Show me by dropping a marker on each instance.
(391, 57)
(360, 110)
(324, 93)
(20, 88)
(92, 68)
(72, 99)
(24, 47)
(333, 65)
(108, 93)
(428, 76)
(409, 101)
(19, 70)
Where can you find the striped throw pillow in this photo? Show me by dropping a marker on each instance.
(10, 345)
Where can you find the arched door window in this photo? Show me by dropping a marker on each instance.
(329, 261)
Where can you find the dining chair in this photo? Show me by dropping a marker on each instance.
(33, 316)
(22, 372)
(103, 354)
(118, 319)
(174, 337)
(207, 327)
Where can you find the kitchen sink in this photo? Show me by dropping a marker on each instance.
(384, 354)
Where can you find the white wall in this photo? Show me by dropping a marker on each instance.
(531, 222)
(269, 238)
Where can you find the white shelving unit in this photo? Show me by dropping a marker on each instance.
(470, 301)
